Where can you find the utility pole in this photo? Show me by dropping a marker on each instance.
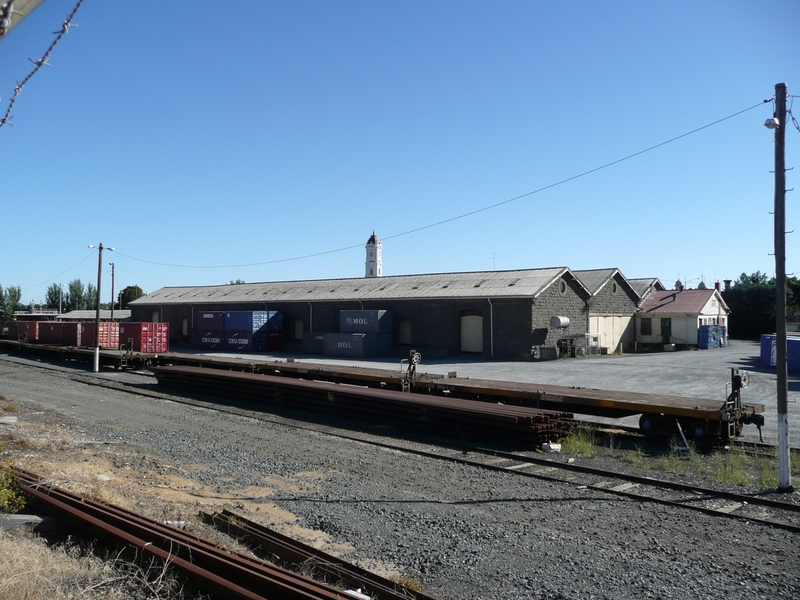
(112, 291)
(784, 467)
(96, 364)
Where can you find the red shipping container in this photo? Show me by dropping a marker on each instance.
(72, 333)
(144, 337)
(51, 332)
(109, 334)
(14, 330)
(29, 330)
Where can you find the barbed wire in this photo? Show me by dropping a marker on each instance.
(38, 64)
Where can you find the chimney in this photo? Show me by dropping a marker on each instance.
(716, 286)
(727, 285)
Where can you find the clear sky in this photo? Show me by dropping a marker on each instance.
(212, 135)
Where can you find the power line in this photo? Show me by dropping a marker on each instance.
(456, 218)
(30, 287)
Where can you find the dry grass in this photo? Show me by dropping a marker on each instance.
(30, 569)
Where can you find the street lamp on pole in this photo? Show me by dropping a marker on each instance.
(112, 291)
(96, 364)
(777, 123)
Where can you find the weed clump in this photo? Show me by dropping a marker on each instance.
(581, 442)
(11, 501)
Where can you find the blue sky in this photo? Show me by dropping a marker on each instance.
(265, 131)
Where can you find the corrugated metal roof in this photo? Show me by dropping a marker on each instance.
(482, 284)
(594, 279)
(643, 285)
(91, 315)
(687, 301)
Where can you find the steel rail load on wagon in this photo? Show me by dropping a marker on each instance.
(703, 419)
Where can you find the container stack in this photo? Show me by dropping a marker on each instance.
(210, 330)
(362, 334)
(712, 336)
(144, 337)
(253, 330)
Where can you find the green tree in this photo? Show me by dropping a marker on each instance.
(74, 298)
(237, 282)
(129, 294)
(90, 297)
(752, 303)
(52, 297)
(11, 299)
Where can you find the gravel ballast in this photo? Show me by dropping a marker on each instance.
(461, 531)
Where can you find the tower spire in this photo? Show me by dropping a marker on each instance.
(374, 262)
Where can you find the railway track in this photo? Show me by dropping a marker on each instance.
(762, 509)
(230, 575)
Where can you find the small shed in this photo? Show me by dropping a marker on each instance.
(675, 317)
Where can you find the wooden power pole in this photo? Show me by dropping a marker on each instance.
(784, 466)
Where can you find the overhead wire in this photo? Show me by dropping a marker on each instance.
(60, 274)
(457, 217)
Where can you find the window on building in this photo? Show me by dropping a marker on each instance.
(647, 327)
(185, 327)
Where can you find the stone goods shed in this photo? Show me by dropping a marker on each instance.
(611, 307)
(494, 314)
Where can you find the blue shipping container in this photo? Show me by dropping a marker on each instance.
(210, 321)
(352, 345)
(275, 321)
(365, 321)
(210, 340)
(253, 320)
(313, 342)
(769, 354)
(239, 341)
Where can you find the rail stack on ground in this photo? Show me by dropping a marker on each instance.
(466, 419)
(228, 575)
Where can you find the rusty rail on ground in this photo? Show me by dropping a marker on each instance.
(229, 574)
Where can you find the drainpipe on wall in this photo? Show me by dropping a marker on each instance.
(491, 327)
(362, 304)
(310, 316)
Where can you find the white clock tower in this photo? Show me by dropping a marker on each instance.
(374, 265)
